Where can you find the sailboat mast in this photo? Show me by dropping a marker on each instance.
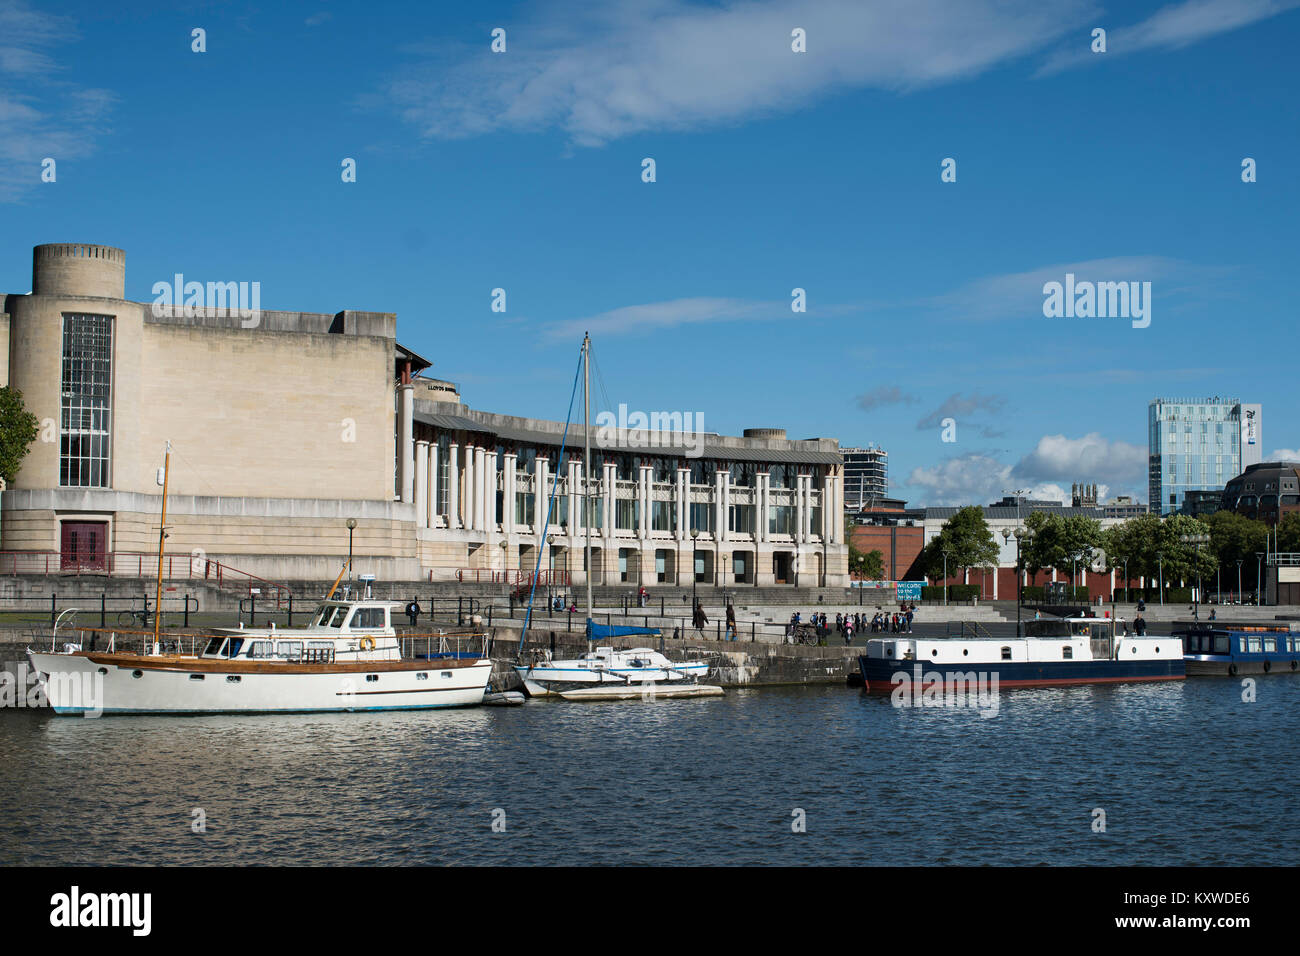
(586, 455)
(162, 535)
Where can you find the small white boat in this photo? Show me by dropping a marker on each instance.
(347, 659)
(645, 692)
(610, 669)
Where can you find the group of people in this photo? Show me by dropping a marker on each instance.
(899, 622)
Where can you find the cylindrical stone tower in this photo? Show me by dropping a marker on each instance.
(73, 268)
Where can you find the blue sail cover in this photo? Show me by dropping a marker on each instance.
(597, 631)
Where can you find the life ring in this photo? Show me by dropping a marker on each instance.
(1293, 665)
(1268, 666)
(367, 643)
(1232, 670)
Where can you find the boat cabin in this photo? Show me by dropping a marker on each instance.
(343, 630)
(1240, 642)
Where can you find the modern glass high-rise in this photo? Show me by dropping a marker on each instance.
(866, 476)
(1198, 444)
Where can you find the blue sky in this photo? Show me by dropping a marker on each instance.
(775, 170)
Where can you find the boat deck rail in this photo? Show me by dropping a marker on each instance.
(428, 646)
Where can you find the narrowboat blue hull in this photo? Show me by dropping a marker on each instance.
(1230, 665)
(878, 674)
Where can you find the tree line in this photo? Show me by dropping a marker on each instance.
(1145, 546)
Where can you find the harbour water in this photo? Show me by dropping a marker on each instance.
(1185, 772)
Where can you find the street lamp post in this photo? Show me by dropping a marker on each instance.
(1259, 578)
(1161, 559)
(1022, 534)
(945, 576)
(1199, 539)
(1239, 561)
(1006, 539)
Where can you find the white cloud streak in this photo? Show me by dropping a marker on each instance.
(600, 72)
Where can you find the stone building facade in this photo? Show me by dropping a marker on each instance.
(286, 425)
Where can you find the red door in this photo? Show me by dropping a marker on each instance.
(84, 546)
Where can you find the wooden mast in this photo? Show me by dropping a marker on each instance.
(162, 536)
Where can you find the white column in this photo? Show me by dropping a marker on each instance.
(431, 516)
(453, 486)
(405, 436)
(573, 486)
(829, 531)
(490, 491)
(467, 504)
(801, 509)
(422, 484)
(719, 506)
(643, 497)
(682, 503)
(608, 483)
(480, 478)
(541, 494)
(510, 461)
(726, 504)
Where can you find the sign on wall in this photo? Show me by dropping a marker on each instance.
(909, 590)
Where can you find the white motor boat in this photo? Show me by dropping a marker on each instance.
(629, 667)
(347, 659)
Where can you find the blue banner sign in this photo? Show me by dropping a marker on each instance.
(909, 590)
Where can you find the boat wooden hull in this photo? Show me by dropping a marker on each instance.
(90, 683)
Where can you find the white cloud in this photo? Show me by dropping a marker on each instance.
(1090, 458)
(1045, 473)
(606, 71)
(1020, 294)
(1285, 454)
(655, 316)
(1171, 28)
(41, 114)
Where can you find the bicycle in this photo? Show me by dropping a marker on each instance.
(805, 634)
(132, 617)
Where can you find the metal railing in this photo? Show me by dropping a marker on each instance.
(516, 576)
(140, 564)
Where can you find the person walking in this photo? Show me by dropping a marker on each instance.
(701, 619)
(848, 633)
(413, 611)
(731, 622)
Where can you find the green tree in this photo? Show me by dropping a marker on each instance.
(1065, 544)
(1288, 533)
(967, 539)
(1152, 545)
(18, 429)
(1235, 537)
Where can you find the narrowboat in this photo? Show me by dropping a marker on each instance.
(1071, 650)
(1224, 649)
